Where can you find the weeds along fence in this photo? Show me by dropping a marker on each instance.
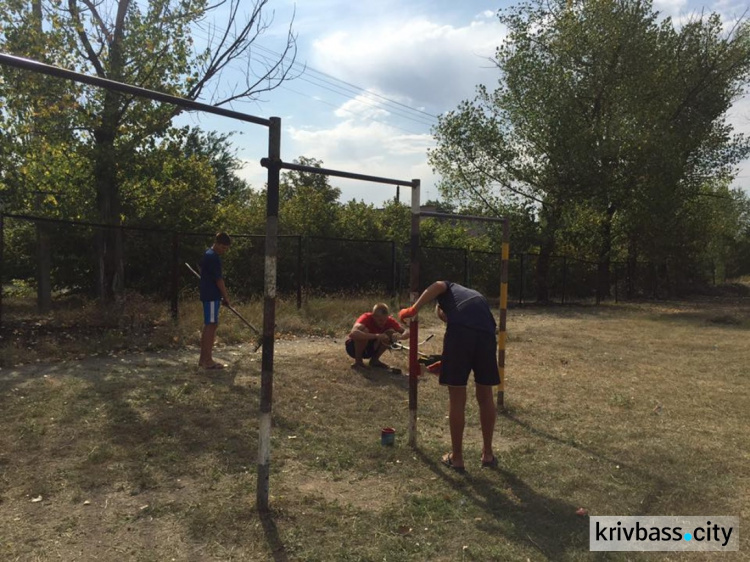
(54, 258)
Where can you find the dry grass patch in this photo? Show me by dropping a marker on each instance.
(624, 410)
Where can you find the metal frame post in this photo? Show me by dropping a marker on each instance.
(414, 368)
(269, 312)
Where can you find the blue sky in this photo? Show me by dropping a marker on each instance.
(377, 73)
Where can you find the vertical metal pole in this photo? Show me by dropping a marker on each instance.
(175, 277)
(565, 272)
(501, 335)
(269, 313)
(414, 326)
(299, 272)
(2, 261)
(520, 285)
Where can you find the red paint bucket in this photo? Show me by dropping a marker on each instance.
(388, 436)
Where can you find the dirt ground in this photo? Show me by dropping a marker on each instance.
(144, 457)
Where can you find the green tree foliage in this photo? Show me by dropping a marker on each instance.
(606, 120)
(146, 44)
(308, 203)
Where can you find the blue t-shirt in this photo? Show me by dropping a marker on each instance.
(210, 274)
(467, 307)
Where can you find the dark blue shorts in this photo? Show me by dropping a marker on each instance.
(369, 348)
(465, 350)
(211, 312)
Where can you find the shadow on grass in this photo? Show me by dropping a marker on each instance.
(659, 485)
(275, 544)
(548, 524)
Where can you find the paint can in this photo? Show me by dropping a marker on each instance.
(388, 436)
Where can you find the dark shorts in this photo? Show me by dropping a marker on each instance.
(369, 349)
(465, 350)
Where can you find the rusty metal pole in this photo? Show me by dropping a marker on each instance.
(414, 326)
(269, 312)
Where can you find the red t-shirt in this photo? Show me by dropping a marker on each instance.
(368, 322)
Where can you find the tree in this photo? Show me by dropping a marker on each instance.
(148, 45)
(308, 202)
(600, 110)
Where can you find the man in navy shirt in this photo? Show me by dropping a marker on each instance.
(469, 344)
(212, 293)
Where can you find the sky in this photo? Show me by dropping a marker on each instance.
(372, 77)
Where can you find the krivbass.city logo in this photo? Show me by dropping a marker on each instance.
(694, 533)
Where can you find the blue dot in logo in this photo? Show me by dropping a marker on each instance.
(688, 536)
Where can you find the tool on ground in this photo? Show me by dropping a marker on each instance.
(431, 361)
(230, 307)
(397, 345)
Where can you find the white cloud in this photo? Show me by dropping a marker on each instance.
(670, 7)
(430, 64)
(739, 117)
(362, 107)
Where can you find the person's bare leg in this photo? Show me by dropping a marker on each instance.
(456, 420)
(359, 351)
(487, 417)
(207, 345)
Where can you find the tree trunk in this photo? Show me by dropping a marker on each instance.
(109, 240)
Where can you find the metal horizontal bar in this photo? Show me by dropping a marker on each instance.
(461, 217)
(327, 172)
(35, 66)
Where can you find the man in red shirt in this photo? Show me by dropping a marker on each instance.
(371, 335)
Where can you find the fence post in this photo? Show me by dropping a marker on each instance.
(598, 282)
(466, 267)
(43, 265)
(616, 282)
(520, 285)
(502, 327)
(565, 274)
(299, 272)
(175, 284)
(394, 281)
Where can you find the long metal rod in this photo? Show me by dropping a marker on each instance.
(269, 315)
(414, 368)
(36, 66)
(337, 173)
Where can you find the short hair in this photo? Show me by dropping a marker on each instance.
(223, 238)
(381, 308)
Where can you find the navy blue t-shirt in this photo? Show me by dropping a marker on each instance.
(210, 274)
(467, 307)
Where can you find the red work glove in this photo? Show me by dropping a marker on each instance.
(405, 313)
(435, 367)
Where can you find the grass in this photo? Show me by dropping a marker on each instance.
(622, 409)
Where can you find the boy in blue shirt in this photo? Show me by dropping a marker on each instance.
(212, 293)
